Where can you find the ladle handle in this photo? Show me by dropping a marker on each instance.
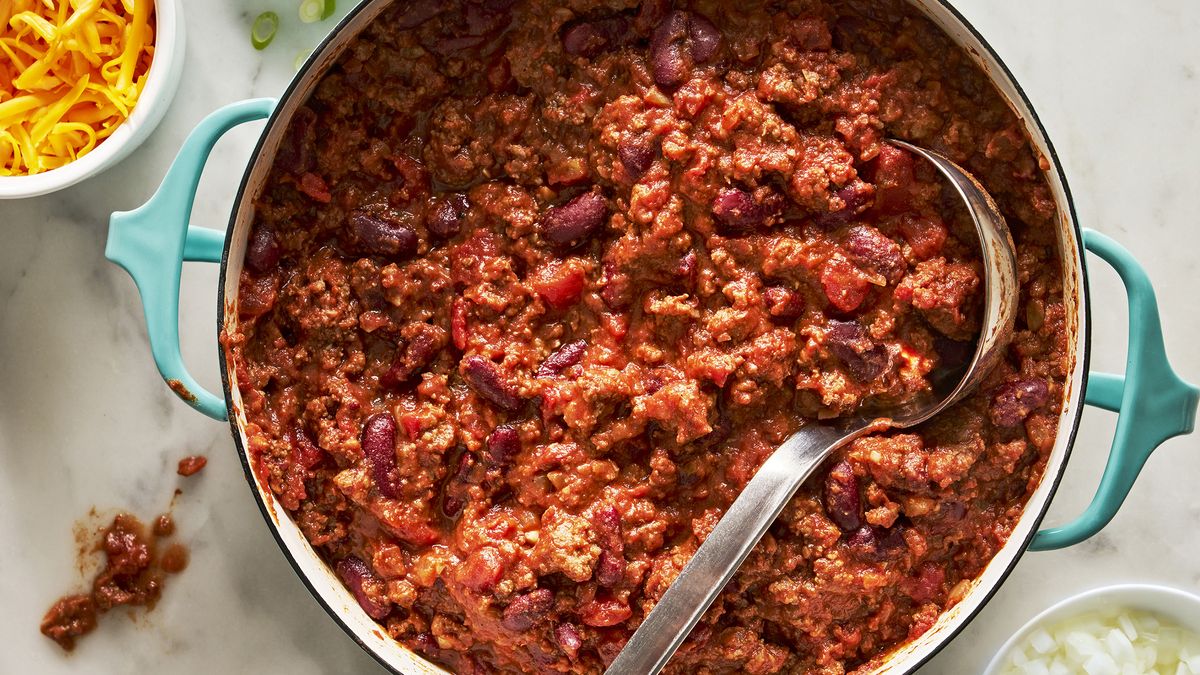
(1153, 402)
(724, 550)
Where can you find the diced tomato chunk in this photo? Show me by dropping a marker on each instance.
(412, 426)
(314, 186)
(307, 453)
(925, 234)
(845, 285)
(560, 283)
(927, 584)
(893, 179)
(604, 613)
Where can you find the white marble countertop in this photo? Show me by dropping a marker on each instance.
(85, 420)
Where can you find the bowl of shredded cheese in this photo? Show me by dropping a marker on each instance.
(1130, 629)
(82, 83)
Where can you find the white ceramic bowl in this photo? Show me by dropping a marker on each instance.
(160, 88)
(1171, 603)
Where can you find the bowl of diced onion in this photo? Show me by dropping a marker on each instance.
(82, 83)
(1129, 629)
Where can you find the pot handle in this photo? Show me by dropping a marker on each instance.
(1153, 402)
(152, 241)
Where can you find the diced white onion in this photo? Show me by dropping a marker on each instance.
(1124, 642)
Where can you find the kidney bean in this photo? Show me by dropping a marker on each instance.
(592, 38)
(446, 217)
(295, 153)
(452, 506)
(686, 267)
(418, 12)
(856, 197)
(562, 358)
(486, 18)
(485, 378)
(454, 46)
(954, 510)
(355, 574)
(705, 38)
(615, 287)
(1013, 401)
(864, 359)
(257, 296)
(877, 543)
(454, 495)
(305, 451)
(738, 210)
(637, 154)
(650, 14)
(670, 57)
(610, 568)
(871, 249)
(503, 444)
(416, 355)
(381, 235)
(571, 223)
(927, 583)
(262, 250)
(606, 521)
(456, 661)
(783, 304)
(379, 446)
(681, 40)
(568, 638)
(843, 501)
(526, 611)
(414, 177)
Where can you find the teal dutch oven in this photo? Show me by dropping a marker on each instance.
(1153, 403)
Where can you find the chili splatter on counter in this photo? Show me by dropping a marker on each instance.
(535, 287)
(131, 576)
(192, 465)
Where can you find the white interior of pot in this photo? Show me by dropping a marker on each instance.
(1070, 251)
(342, 605)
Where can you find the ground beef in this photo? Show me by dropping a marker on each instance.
(535, 287)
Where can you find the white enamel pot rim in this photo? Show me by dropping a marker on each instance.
(341, 605)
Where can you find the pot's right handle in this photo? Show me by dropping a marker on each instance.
(1153, 403)
(152, 241)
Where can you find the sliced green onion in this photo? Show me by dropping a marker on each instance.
(300, 59)
(312, 11)
(263, 30)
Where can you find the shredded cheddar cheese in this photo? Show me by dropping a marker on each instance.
(70, 73)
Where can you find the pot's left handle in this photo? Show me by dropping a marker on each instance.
(152, 241)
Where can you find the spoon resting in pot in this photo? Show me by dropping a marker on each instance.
(765, 496)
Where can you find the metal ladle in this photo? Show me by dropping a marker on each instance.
(764, 497)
